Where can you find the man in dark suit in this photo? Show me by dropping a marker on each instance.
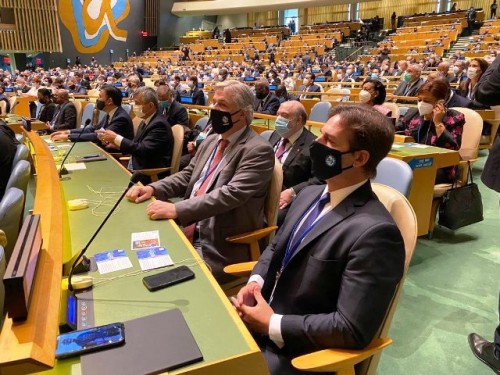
(116, 120)
(411, 82)
(48, 109)
(309, 86)
(291, 142)
(170, 108)
(330, 273)
(153, 143)
(8, 145)
(65, 114)
(265, 101)
(459, 72)
(194, 91)
(224, 186)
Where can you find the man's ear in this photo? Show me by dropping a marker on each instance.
(361, 157)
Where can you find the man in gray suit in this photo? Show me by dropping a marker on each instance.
(411, 83)
(224, 186)
(330, 273)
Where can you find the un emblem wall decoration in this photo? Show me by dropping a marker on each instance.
(92, 22)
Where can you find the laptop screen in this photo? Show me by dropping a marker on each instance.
(247, 79)
(320, 79)
(272, 87)
(186, 100)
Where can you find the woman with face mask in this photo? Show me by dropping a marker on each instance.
(475, 70)
(436, 125)
(373, 94)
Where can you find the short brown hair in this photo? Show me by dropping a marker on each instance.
(437, 88)
(369, 130)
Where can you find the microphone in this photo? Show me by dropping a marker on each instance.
(63, 170)
(14, 106)
(84, 266)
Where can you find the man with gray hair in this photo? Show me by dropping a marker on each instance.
(411, 82)
(224, 186)
(153, 143)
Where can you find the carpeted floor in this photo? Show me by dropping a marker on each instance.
(451, 290)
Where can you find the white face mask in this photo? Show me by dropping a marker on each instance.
(138, 111)
(364, 96)
(424, 108)
(348, 71)
(456, 70)
(305, 81)
(471, 73)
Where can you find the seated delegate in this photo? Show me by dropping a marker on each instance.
(436, 125)
(373, 93)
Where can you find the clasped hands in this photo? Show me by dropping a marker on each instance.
(157, 209)
(253, 308)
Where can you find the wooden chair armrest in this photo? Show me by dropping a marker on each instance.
(341, 361)
(3, 238)
(152, 171)
(240, 269)
(249, 237)
(124, 158)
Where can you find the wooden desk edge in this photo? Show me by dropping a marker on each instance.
(30, 346)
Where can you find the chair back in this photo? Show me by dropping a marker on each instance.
(22, 153)
(11, 214)
(403, 110)
(393, 107)
(178, 133)
(319, 112)
(88, 113)
(12, 101)
(3, 107)
(201, 124)
(266, 134)
(93, 93)
(127, 108)
(3, 266)
(347, 96)
(78, 106)
(273, 196)
(471, 134)
(406, 220)
(336, 90)
(20, 176)
(206, 99)
(396, 174)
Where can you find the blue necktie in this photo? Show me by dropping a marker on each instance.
(309, 220)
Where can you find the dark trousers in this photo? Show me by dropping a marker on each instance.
(497, 332)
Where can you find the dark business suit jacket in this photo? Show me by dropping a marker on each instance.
(66, 116)
(337, 287)
(120, 123)
(47, 112)
(269, 105)
(198, 96)
(401, 90)
(297, 168)
(233, 202)
(152, 145)
(176, 114)
(8, 145)
(312, 88)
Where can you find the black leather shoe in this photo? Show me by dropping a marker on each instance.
(484, 351)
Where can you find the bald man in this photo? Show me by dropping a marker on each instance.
(65, 114)
(291, 141)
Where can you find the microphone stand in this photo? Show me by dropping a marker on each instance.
(63, 170)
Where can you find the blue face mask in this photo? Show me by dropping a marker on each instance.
(374, 76)
(164, 104)
(281, 125)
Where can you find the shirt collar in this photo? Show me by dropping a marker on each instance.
(112, 112)
(234, 137)
(148, 119)
(337, 196)
(293, 138)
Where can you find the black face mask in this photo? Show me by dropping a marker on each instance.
(99, 104)
(221, 120)
(42, 101)
(72, 87)
(326, 161)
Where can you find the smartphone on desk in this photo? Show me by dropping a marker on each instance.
(88, 340)
(168, 278)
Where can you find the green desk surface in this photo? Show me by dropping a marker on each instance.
(415, 149)
(121, 299)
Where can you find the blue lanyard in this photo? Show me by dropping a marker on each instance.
(293, 243)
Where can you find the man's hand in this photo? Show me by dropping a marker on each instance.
(106, 136)
(161, 210)
(257, 317)
(139, 194)
(286, 197)
(60, 136)
(246, 295)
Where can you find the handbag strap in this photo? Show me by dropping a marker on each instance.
(469, 177)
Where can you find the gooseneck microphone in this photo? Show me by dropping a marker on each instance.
(63, 170)
(14, 106)
(85, 265)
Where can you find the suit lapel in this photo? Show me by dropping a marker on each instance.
(296, 149)
(274, 139)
